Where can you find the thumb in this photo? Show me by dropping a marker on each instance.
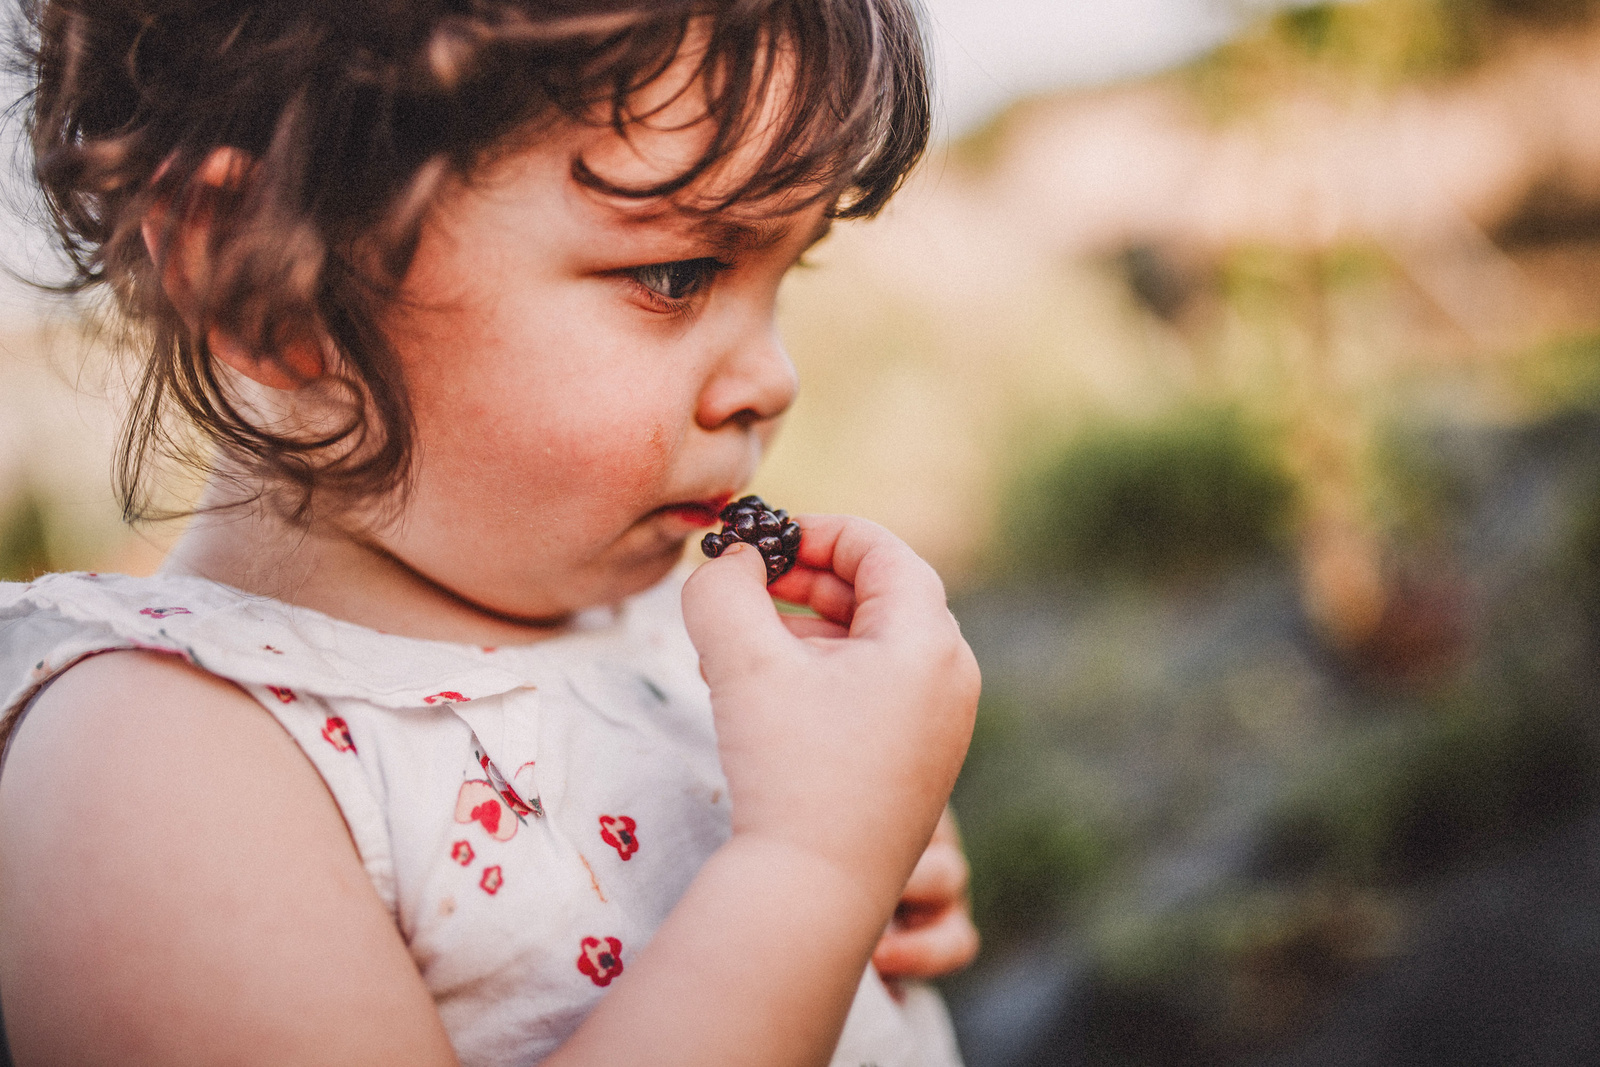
(728, 611)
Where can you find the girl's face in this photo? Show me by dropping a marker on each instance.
(591, 377)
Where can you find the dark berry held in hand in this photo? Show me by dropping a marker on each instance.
(773, 534)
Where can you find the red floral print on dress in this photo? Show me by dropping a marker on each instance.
(600, 960)
(618, 832)
(337, 733)
(462, 853)
(161, 613)
(448, 696)
(478, 802)
(284, 694)
(492, 880)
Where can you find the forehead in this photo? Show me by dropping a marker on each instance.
(672, 128)
(533, 191)
(650, 151)
(727, 128)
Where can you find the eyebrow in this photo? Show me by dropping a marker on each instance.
(730, 236)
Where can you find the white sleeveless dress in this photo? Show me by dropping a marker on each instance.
(529, 815)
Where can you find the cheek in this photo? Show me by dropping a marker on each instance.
(549, 423)
(566, 458)
(615, 464)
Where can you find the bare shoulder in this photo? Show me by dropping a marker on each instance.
(177, 886)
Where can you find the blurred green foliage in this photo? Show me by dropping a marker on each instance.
(1583, 555)
(1412, 493)
(1180, 496)
(1031, 866)
(1561, 373)
(1399, 808)
(1217, 920)
(1406, 802)
(1035, 860)
(24, 537)
(1271, 279)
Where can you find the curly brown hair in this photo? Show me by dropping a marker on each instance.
(353, 113)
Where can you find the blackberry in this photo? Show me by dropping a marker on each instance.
(748, 519)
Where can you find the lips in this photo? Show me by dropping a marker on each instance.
(697, 512)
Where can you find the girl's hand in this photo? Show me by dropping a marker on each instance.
(840, 737)
(932, 933)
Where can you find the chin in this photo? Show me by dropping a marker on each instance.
(647, 572)
(605, 584)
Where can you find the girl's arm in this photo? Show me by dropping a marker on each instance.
(841, 740)
(177, 887)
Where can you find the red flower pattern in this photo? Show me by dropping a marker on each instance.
(478, 802)
(492, 880)
(601, 961)
(447, 696)
(488, 813)
(337, 733)
(161, 613)
(462, 853)
(618, 832)
(284, 694)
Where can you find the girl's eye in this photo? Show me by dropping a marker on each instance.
(678, 281)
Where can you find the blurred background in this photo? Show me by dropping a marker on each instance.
(1238, 364)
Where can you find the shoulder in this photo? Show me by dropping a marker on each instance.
(252, 640)
(144, 712)
(171, 865)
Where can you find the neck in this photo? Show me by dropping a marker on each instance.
(330, 568)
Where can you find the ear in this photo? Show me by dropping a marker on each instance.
(183, 263)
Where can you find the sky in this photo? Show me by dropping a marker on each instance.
(989, 52)
(986, 53)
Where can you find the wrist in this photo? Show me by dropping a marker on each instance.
(872, 840)
(856, 884)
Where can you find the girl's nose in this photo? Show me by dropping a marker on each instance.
(755, 381)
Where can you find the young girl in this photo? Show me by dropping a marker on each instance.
(414, 752)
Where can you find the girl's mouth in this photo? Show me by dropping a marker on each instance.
(697, 512)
